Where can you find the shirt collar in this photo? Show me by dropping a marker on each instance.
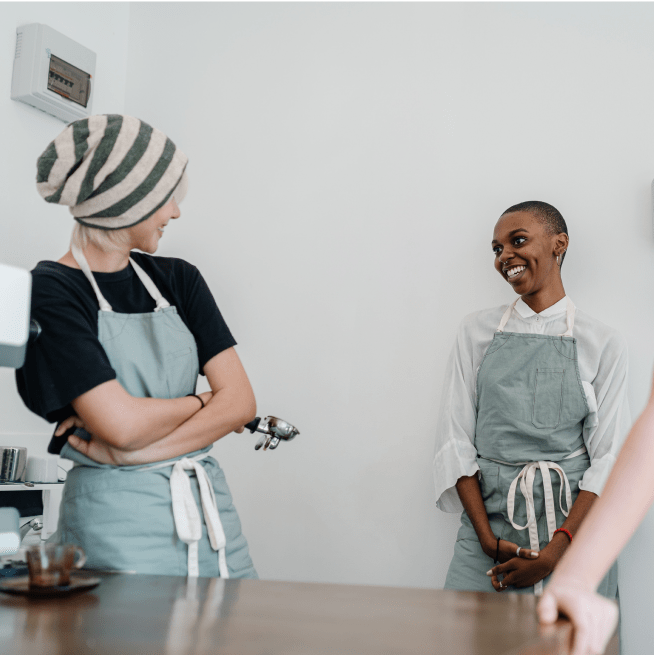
(526, 311)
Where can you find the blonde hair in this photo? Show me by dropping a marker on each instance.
(105, 240)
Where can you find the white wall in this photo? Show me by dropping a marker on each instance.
(348, 163)
(30, 229)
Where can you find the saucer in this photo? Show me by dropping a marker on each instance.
(21, 586)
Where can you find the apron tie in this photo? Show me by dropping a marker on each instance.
(187, 515)
(188, 521)
(526, 480)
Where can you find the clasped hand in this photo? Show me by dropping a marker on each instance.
(523, 570)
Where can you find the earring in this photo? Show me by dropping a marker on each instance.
(557, 260)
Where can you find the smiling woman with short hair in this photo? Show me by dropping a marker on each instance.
(534, 411)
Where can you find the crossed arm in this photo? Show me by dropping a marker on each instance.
(530, 566)
(128, 430)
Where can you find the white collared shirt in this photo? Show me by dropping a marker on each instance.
(602, 354)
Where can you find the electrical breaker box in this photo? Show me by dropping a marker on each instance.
(53, 73)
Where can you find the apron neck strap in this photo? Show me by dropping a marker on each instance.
(79, 257)
(570, 317)
(150, 286)
(506, 316)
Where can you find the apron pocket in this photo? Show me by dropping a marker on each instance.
(548, 397)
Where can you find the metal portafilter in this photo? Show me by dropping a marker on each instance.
(274, 430)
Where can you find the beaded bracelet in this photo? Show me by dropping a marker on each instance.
(565, 532)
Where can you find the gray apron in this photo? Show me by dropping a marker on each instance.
(531, 408)
(145, 518)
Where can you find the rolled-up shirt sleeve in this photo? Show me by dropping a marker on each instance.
(456, 455)
(608, 422)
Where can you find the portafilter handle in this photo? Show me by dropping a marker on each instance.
(253, 425)
(274, 430)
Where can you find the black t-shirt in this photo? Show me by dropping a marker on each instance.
(68, 360)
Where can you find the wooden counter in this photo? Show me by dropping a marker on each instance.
(158, 615)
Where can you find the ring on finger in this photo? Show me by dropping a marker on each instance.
(517, 552)
(500, 585)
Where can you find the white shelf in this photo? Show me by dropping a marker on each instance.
(52, 493)
(32, 486)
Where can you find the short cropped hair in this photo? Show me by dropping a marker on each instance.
(545, 214)
(105, 240)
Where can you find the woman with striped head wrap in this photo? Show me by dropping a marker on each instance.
(125, 335)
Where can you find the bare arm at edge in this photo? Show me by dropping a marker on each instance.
(611, 522)
(617, 513)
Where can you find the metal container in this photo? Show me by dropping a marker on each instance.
(13, 464)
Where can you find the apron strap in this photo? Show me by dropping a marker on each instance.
(150, 286)
(187, 516)
(506, 316)
(570, 317)
(526, 479)
(79, 257)
(579, 451)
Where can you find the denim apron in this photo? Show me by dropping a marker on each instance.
(531, 408)
(146, 518)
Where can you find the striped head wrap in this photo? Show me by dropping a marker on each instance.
(113, 171)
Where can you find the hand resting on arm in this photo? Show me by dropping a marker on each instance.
(128, 430)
